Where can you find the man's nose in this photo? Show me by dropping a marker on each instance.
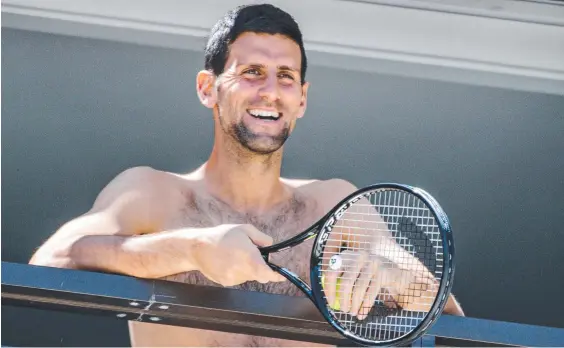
(270, 90)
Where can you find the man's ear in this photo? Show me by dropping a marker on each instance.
(205, 87)
(303, 102)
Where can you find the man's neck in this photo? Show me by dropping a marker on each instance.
(247, 183)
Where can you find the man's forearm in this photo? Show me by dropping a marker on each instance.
(145, 256)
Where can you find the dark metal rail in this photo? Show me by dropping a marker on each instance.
(296, 318)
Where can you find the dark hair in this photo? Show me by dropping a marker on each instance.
(262, 19)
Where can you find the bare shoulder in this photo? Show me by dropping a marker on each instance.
(327, 192)
(140, 195)
(133, 181)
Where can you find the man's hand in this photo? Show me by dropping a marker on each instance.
(229, 256)
(363, 278)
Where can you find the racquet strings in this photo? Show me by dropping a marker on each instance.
(398, 236)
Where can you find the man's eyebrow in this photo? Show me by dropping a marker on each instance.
(262, 66)
(285, 67)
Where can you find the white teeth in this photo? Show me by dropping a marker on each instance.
(263, 113)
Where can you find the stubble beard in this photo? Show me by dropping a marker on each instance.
(256, 144)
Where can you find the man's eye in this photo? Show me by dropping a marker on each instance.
(286, 76)
(252, 72)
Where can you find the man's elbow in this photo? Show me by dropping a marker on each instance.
(452, 307)
(47, 258)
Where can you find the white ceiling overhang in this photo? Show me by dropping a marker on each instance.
(501, 43)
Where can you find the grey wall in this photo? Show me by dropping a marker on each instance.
(75, 112)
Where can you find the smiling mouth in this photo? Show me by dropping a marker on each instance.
(264, 114)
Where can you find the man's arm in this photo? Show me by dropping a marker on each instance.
(144, 256)
(453, 307)
(339, 189)
(110, 236)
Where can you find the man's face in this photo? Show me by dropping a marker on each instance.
(260, 95)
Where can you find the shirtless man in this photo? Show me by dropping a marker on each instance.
(204, 227)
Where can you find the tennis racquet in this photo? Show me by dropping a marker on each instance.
(382, 264)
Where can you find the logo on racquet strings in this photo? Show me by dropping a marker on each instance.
(335, 262)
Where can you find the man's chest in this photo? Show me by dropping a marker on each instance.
(282, 222)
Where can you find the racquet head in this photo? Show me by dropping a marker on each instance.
(382, 264)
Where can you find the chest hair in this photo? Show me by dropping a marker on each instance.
(282, 222)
